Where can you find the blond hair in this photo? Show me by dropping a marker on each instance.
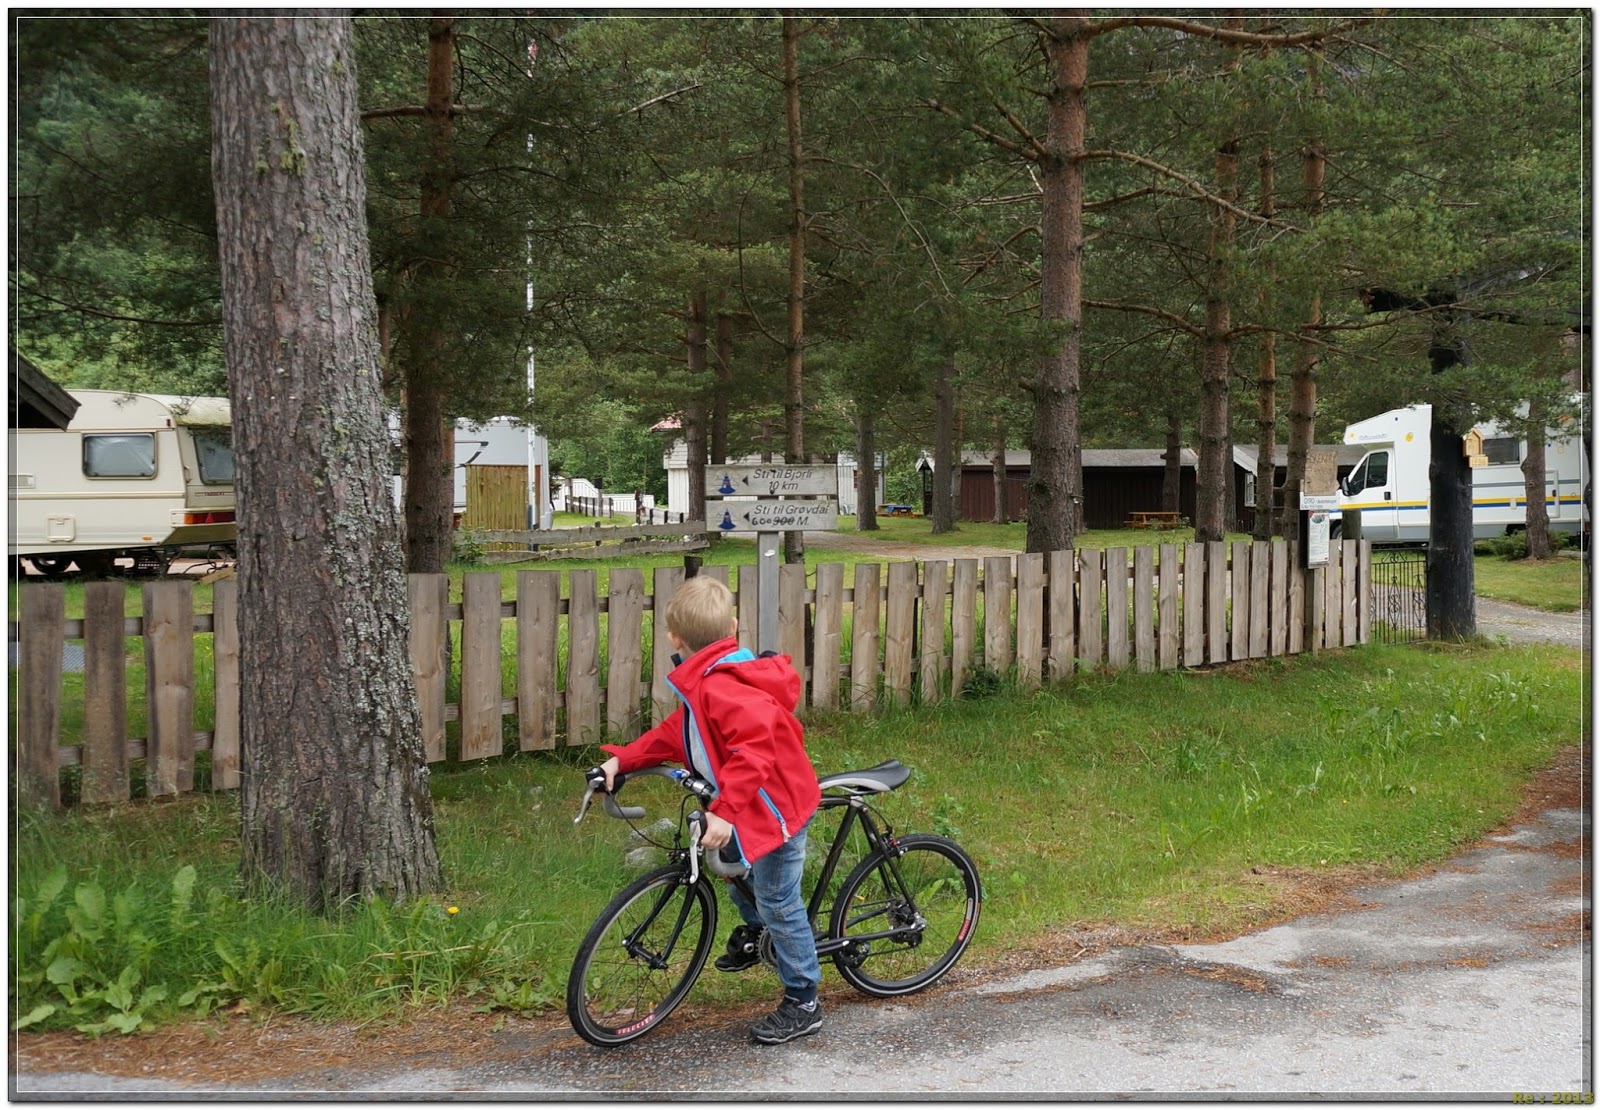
(700, 612)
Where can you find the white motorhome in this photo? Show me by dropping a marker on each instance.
(134, 475)
(1390, 483)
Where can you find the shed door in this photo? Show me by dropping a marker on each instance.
(497, 499)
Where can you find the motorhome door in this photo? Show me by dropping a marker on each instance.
(1371, 488)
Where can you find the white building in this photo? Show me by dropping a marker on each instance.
(676, 462)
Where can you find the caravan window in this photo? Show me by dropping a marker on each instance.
(213, 450)
(1373, 473)
(124, 455)
(1502, 451)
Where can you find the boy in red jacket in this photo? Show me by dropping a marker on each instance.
(737, 730)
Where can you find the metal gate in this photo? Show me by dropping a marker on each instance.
(1399, 601)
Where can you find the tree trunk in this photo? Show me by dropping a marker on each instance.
(722, 368)
(1450, 602)
(794, 546)
(866, 472)
(1303, 379)
(694, 410)
(944, 447)
(1533, 467)
(430, 438)
(997, 462)
(1055, 484)
(1266, 387)
(1172, 466)
(334, 796)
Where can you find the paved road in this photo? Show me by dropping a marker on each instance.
(1469, 980)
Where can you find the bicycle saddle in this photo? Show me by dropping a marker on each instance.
(884, 777)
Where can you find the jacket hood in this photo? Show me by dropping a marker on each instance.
(773, 675)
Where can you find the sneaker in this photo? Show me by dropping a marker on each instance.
(744, 948)
(788, 1022)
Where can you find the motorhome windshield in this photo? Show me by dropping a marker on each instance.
(213, 449)
(1371, 474)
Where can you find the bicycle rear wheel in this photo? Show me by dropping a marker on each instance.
(641, 956)
(909, 917)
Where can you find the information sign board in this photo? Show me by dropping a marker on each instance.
(771, 480)
(774, 516)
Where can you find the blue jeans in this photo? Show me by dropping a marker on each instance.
(780, 906)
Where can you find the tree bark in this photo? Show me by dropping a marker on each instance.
(794, 548)
(694, 410)
(1450, 596)
(430, 438)
(997, 463)
(1533, 468)
(1266, 386)
(1303, 378)
(1055, 484)
(1172, 466)
(866, 472)
(722, 368)
(334, 794)
(944, 447)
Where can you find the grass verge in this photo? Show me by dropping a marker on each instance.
(1085, 805)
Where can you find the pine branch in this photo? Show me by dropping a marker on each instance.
(658, 99)
(120, 318)
(1220, 34)
(1198, 190)
(983, 132)
(1149, 310)
(416, 110)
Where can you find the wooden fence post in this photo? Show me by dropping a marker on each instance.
(1239, 595)
(105, 694)
(625, 659)
(997, 614)
(1144, 614)
(864, 638)
(935, 585)
(480, 665)
(538, 639)
(828, 627)
(662, 700)
(583, 658)
(1167, 606)
(225, 664)
(1217, 601)
(1278, 632)
(792, 618)
(43, 612)
(1030, 619)
(1260, 569)
(899, 632)
(1091, 607)
(963, 623)
(1116, 607)
(430, 656)
(169, 685)
(1063, 645)
(1364, 593)
(1194, 604)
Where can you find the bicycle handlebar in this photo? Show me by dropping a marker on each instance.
(595, 781)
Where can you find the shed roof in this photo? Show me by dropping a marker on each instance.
(36, 401)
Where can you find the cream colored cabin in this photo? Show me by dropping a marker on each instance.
(134, 475)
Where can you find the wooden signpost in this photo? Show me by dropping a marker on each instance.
(767, 500)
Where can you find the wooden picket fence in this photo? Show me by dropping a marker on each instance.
(902, 632)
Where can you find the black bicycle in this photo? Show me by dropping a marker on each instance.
(901, 918)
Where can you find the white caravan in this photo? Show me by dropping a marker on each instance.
(134, 475)
(1390, 483)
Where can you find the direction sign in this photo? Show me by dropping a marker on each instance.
(771, 480)
(774, 516)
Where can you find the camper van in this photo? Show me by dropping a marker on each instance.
(1390, 483)
(133, 476)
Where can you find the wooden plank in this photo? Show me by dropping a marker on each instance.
(719, 572)
(1030, 619)
(169, 686)
(43, 609)
(792, 618)
(1216, 601)
(1278, 599)
(864, 638)
(538, 646)
(1297, 577)
(1313, 597)
(963, 623)
(829, 625)
(935, 588)
(1167, 607)
(997, 614)
(587, 535)
(480, 665)
(899, 632)
(1239, 597)
(429, 645)
(105, 691)
(1364, 591)
(662, 700)
(1144, 607)
(1194, 604)
(624, 656)
(225, 692)
(1260, 569)
(1116, 607)
(1332, 598)
(1351, 561)
(748, 619)
(1091, 607)
(583, 657)
(1063, 646)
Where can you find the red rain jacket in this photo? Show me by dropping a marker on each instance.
(738, 710)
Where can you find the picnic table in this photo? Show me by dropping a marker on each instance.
(895, 510)
(1152, 520)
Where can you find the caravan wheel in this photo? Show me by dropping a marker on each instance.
(51, 566)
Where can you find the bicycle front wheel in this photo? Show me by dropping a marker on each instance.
(907, 917)
(641, 956)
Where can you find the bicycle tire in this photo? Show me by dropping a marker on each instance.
(615, 995)
(931, 876)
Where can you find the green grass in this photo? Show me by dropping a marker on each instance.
(1132, 800)
(1554, 585)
